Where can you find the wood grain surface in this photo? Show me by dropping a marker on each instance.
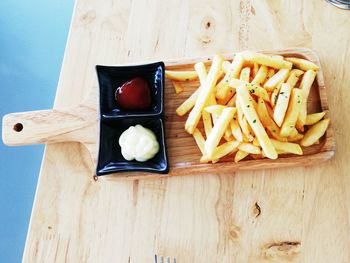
(280, 215)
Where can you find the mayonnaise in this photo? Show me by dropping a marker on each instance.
(138, 143)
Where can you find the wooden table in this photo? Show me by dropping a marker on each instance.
(297, 215)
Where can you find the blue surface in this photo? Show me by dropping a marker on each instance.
(32, 39)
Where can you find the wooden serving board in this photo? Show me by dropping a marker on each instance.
(80, 124)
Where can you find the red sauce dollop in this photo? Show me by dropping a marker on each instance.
(134, 94)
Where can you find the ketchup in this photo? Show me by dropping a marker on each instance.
(134, 94)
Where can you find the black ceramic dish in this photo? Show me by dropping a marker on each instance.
(113, 120)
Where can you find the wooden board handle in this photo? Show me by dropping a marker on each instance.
(44, 126)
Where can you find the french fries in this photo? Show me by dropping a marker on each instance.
(178, 87)
(303, 64)
(270, 61)
(292, 112)
(305, 86)
(240, 155)
(282, 104)
(222, 88)
(204, 95)
(315, 133)
(221, 151)
(246, 104)
(218, 130)
(311, 119)
(181, 75)
(253, 106)
(276, 79)
(260, 75)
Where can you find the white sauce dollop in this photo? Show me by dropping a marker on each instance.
(138, 143)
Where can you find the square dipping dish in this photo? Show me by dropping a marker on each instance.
(115, 120)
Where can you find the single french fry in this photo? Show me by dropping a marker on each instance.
(222, 88)
(315, 133)
(305, 86)
(236, 130)
(181, 75)
(253, 88)
(208, 126)
(243, 122)
(294, 77)
(245, 74)
(303, 64)
(270, 61)
(287, 147)
(276, 79)
(311, 119)
(221, 151)
(215, 109)
(188, 104)
(240, 155)
(226, 66)
(201, 72)
(260, 76)
(218, 130)
(249, 148)
(204, 95)
(198, 137)
(178, 87)
(282, 104)
(245, 101)
(267, 121)
(292, 112)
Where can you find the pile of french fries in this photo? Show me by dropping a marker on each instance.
(255, 105)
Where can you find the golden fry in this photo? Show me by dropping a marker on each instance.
(181, 75)
(178, 87)
(245, 101)
(294, 77)
(249, 148)
(236, 130)
(218, 130)
(215, 109)
(305, 86)
(208, 126)
(222, 88)
(253, 88)
(270, 61)
(188, 104)
(276, 79)
(287, 147)
(221, 151)
(204, 95)
(260, 76)
(198, 137)
(243, 122)
(311, 119)
(315, 133)
(292, 112)
(240, 155)
(282, 104)
(303, 64)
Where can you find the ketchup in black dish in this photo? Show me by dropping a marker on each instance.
(134, 94)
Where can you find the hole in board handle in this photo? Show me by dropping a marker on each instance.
(18, 127)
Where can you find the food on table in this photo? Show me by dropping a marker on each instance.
(254, 105)
(139, 143)
(134, 94)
